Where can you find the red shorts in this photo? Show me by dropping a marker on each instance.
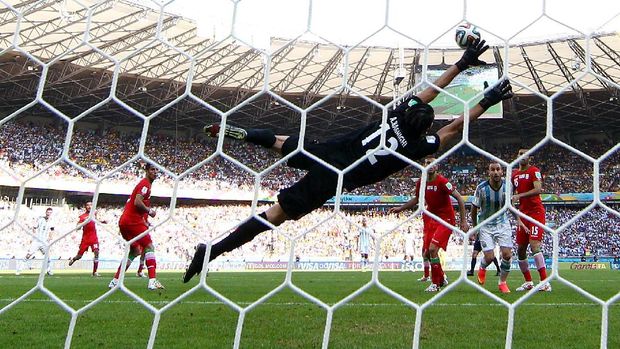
(429, 230)
(130, 231)
(535, 227)
(437, 233)
(84, 245)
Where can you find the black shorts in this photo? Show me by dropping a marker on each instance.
(477, 245)
(330, 152)
(317, 186)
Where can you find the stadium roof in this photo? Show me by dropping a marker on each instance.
(152, 70)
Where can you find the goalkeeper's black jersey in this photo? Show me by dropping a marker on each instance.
(382, 163)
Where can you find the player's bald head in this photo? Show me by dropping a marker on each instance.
(496, 172)
(494, 165)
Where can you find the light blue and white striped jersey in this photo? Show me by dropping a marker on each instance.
(490, 201)
(42, 230)
(364, 239)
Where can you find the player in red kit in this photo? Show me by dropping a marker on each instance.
(134, 221)
(436, 235)
(89, 238)
(527, 186)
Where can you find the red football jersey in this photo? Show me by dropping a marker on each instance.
(523, 181)
(131, 214)
(89, 230)
(437, 197)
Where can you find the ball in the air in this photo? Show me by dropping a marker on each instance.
(466, 33)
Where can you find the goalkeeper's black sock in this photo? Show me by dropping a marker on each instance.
(473, 264)
(243, 234)
(496, 264)
(261, 136)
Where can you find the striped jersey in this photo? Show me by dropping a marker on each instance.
(364, 239)
(43, 228)
(488, 201)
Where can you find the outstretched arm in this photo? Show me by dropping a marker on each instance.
(500, 92)
(406, 206)
(429, 93)
(470, 58)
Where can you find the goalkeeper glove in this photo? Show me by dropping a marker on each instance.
(498, 93)
(470, 57)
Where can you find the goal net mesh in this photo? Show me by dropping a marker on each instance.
(265, 87)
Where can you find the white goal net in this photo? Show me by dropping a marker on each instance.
(320, 69)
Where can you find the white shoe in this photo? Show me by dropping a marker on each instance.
(445, 281)
(528, 285)
(50, 273)
(96, 275)
(432, 288)
(545, 288)
(424, 279)
(113, 283)
(141, 274)
(155, 285)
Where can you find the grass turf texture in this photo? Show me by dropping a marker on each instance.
(463, 318)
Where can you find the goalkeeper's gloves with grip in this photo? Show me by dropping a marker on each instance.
(498, 93)
(472, 54)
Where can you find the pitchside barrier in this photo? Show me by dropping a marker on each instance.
(8, 265)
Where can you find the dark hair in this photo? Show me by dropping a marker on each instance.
(147, 166)
(419, 118)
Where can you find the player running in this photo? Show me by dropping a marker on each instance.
(42, 233)
(405, 133)
(89, 238)
(134, 221)
(488, 199)
(527, 184)
(437, 196)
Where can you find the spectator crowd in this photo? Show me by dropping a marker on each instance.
(26, 148)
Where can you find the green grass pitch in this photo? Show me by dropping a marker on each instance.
(463, 318)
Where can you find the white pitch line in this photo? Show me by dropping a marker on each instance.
(304, 304)
(218, 277)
